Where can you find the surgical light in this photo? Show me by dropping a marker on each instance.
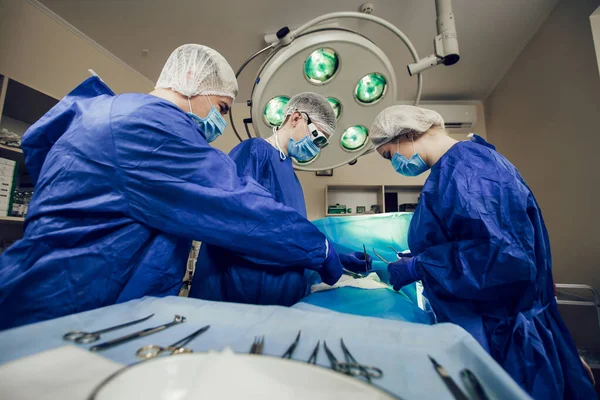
(354, 138)
(321, 65)
(324, 57)
(336, 105)
(273, 111)
(370, 88)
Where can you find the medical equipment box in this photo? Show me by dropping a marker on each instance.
(336, 209)
(8, 174)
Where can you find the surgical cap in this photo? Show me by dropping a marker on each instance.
(316, 107)
(398, 121)
(193, 69)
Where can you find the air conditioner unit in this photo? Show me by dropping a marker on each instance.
(456, 116)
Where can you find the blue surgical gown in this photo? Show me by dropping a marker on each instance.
(122, 185)
(223, 276)
(483, 252)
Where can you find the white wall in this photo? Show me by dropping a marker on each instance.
(38, 51)
(544, 116)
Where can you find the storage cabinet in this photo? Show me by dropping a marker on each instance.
(20, 107)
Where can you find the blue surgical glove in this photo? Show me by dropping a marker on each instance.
(332, 267)
(403, 272)
(356, 262)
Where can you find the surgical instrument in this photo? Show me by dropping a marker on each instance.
(352, 274)
(395, 251)
(357, 275)
(351, 367)
(366, 372)
(380, 257)
(457, 393)
(179, 319)
(89, 337)
(153, 350)
(258, 345)
(290, 351)
(315, 353)
(473, 386)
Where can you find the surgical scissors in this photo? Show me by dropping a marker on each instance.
(290, 351)
(154, 350)
(89, 337)
(179, 319)
(351, 367)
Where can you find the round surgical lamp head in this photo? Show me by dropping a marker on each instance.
(273, 111)
(336, 104)
(321, 66)
(349, 70)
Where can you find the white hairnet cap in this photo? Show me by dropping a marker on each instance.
(316, 107)
(397, 121)
(193, 69)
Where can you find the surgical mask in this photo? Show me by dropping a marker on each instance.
(413, 167)
(212, 126)
(302, 150)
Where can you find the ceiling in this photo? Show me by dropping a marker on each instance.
(491, 34)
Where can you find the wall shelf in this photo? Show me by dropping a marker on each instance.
(13, 149)
(367, 195)
(12, 219)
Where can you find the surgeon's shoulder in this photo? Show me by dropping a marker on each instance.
(142, 108)
(257, 148)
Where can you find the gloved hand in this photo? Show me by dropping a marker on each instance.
(356, 262)
(332, 267)
(403, 272)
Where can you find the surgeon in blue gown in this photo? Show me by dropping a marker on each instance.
(124, 183)
(479, 244)
(221, 276)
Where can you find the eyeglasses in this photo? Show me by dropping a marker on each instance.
(317, 137)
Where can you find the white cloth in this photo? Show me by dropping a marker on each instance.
(63, 373)
(371, 281)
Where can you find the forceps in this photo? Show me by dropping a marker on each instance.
(89, 337)
(179, 319)
(154, 350)
(351, 367)
(381, 258)
(357, 275)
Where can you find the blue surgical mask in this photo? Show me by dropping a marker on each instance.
(302, 150)
(212, 126)
(413, 167)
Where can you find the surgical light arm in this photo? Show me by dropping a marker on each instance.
(445, 43)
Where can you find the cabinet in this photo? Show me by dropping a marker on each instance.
(386, 198)
(20, 107)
